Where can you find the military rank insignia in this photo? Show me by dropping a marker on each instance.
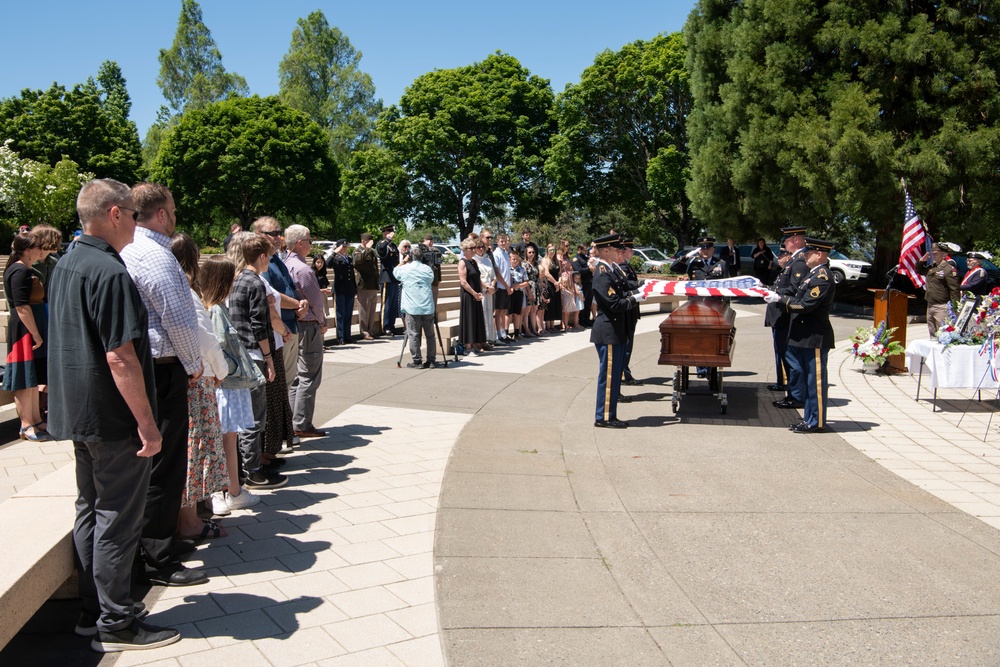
(611, 291)
(814, 292)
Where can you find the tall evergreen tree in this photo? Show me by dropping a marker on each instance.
(191, 70)
(810, 113)
(320, 75)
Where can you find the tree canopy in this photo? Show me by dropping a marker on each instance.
(247, 157)
(321, 76)
(470, 139)
(810, 113)
(88, 124)
(622, 141)
(191, 70)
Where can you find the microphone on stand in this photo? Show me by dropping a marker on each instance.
(890, 276)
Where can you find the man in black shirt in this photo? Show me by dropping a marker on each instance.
(388, 257)
(101, 384)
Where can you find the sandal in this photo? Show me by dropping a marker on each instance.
(209, 531)
(37, 436)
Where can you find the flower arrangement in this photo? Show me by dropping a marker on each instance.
(980, 317)
(872, 344)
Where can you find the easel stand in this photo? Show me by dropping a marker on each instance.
(891, 308)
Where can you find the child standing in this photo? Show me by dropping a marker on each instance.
(233, 397)
(569, 291)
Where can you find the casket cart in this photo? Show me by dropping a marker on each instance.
(699, 333)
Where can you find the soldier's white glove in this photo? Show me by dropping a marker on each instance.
(772, 297)
(639, 296)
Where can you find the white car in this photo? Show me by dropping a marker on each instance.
(653, 260)
(845, 268)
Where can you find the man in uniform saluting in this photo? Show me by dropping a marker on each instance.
(705, 265)
(388, 257)
(610, 331)
(810, 334)
(791, 279)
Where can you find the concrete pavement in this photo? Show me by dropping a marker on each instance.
(477, 518)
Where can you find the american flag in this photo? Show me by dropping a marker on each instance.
(916, 242)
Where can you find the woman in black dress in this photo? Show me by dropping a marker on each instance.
(471, 325)
(548, 275)
(763, 260)
(26, 329)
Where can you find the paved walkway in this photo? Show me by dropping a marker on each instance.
(479, 516)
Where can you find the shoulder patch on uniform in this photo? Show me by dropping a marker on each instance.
(611, 291)
(814, 292)
(602, 268)
(798, 274)
(822, 274)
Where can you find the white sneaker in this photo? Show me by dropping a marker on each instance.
(219, 505)
(242, 501)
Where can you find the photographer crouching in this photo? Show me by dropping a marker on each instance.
(416, 276)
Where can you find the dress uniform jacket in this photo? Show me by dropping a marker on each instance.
(632, 280)
(942, 282)
(976, 281)
(712, 268)
(388, 255)
(775, 316)
(613, 303)
(810, 311)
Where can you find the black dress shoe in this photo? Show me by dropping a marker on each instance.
(776, 387)
(792, 427)
(632, 382)
(610, 423)
(787, 404)
(806, 428)
(624, 399)
(177, 575)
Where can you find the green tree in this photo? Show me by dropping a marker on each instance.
(246, 157)
(191, 70)
(88, 123)
(470, 139)
(320, 75)
(374, 192)
(810, 113)
(622, 141)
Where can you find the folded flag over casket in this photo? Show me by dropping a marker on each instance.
(746, 286)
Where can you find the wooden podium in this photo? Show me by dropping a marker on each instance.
(891, 307)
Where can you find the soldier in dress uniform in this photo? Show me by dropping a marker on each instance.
(976, 280)
(705, 265)
(794, 274)
(633, 313)
(810, 334)
(388, 257)
(777, 321)
(610, 331)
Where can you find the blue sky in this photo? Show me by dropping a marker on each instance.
(66, 41)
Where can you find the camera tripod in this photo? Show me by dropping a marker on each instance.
(440, 342)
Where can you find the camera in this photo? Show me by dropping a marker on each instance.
(432, 257)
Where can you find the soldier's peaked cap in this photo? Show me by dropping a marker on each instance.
(818, 244)
(793, 230)
(388, 228)
(706, 242)
(609, 241)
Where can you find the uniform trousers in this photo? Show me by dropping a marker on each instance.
(796, 386)
(609, 380)
(780, 337)
(309, 375)
(169, 468)
(936, 315)
(111, 483)
(812, 360)
(633, 321)
(344, 304)
(390, 307)
(367, 313)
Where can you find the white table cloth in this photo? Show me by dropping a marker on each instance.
(958, 367)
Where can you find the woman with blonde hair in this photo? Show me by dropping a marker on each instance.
(548, 274)
(471, 323)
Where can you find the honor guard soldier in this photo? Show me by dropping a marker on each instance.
(810, 334)
(705, 265)
(777, 320)
(632, 318)
(388, 257)
(610, 331)
(791, 278)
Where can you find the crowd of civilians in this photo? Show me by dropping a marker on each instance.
(182, 382)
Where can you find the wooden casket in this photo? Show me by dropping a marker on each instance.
(699, 333)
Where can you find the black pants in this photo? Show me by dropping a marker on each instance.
(166, 481)
(588, 299)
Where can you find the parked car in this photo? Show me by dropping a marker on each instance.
(653, 260)
(844, 268)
